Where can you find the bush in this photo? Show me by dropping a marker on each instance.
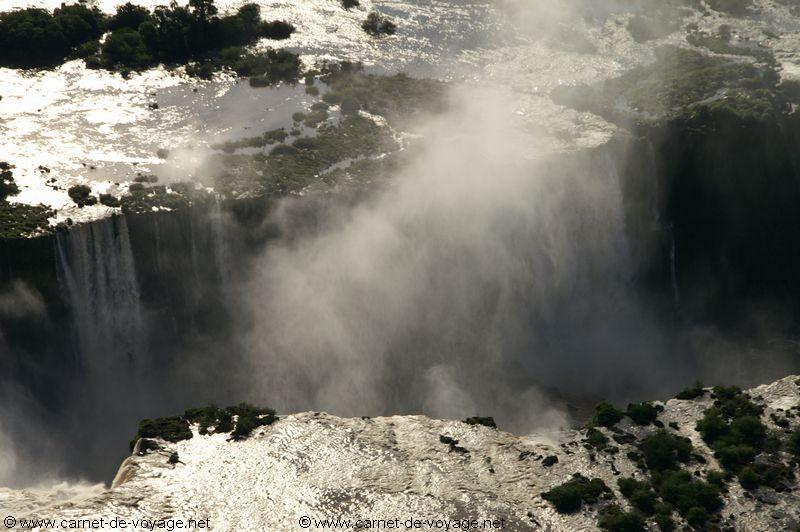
(249, 418)
(684, 492)
(793, 444)
(378, 26)
(80, 194)
(694, 392)
(349, 4)
(573, 494)
(605, 415)
(663, 451)
(642, 413)
(484, 421)
(109, 201)
(277, 29)
(697, 516)
(640, 494)
(171, 429)
(616, 520)
(125, 47)
(596, 439)
(8, 187)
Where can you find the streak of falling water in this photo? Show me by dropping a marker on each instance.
(97, 275)
(673, 270)
(219, 238)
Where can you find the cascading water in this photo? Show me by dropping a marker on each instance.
(97, 275)
(673, 269)
(220, 242)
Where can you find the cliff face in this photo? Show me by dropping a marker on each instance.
(323, 467)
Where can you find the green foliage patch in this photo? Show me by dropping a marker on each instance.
(570, 496)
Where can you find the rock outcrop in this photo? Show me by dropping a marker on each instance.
(318, 466)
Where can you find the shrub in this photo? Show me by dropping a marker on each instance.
(79, 194)
(485, 421)
(349, 4)
(377, 26)
(663, 517)
(596, 439)
(572, 495)
(640, 494)
(692, 393)
(172, 429)
(8, 187)
(642, 413)
(249, 418)
(125, 47)
(277, 29)
(614, 519)
(793, 444)
(697, 516)
(663, 451)
(684, 492)
(605, 415)
(109, 201)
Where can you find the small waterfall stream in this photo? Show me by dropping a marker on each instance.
(97, 275)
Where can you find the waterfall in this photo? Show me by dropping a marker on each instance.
(673, 270)
(219, 238)
(97, 276)
(157, 242)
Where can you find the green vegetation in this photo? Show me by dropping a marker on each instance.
(8, 187)
(378, 26)
(109, 201)
(679, 79)
(614, 519)
(263, 69)
(686, 493)
(642, 413)
(484, 421)
(605, 415)
(36, 38)
(733, 7)
(18, 220)
(400, 98)
(663, 451)
(270, 137)
(732, 427)
(596, 439)
(687, 394)
(569, 497)
(719, 44)
(176, 428)
(141, 198)
(172, 429)
(793, 444)
(137, 38)
(639, 493)
(81, 195)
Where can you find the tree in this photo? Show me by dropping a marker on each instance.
(129, 16)
(125, 47)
